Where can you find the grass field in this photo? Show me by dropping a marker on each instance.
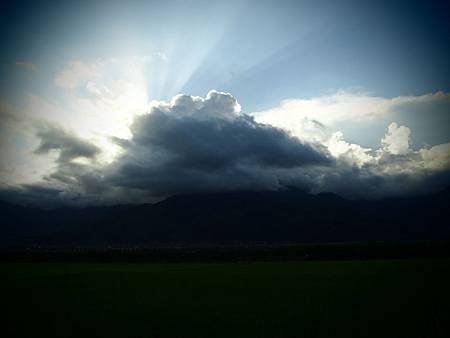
(391, 298)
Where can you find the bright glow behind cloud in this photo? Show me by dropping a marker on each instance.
(105, 96)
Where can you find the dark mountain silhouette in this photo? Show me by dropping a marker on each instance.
(290, 216)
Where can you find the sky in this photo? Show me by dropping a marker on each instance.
(128, 102)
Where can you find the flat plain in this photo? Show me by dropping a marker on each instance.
(357, 298)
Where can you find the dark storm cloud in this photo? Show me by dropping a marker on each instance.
(32, 194)
(214, 144)
(196, 144)
(70, 146)
(371, 183)
(193, 144)
(190, 144)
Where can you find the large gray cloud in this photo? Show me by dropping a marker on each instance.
(193, 144)
(196, 144)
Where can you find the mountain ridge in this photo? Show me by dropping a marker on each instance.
(220, 218)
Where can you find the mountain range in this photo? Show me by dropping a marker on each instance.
(270, 217)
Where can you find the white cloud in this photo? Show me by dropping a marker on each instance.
(397, 140)
(341, 107)
(353, 154)
(317, 119)
(437, 157)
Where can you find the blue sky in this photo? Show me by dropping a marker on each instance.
(260, 51)
(61, 61)
(298, 47)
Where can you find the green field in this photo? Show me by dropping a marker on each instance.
(395, 298)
